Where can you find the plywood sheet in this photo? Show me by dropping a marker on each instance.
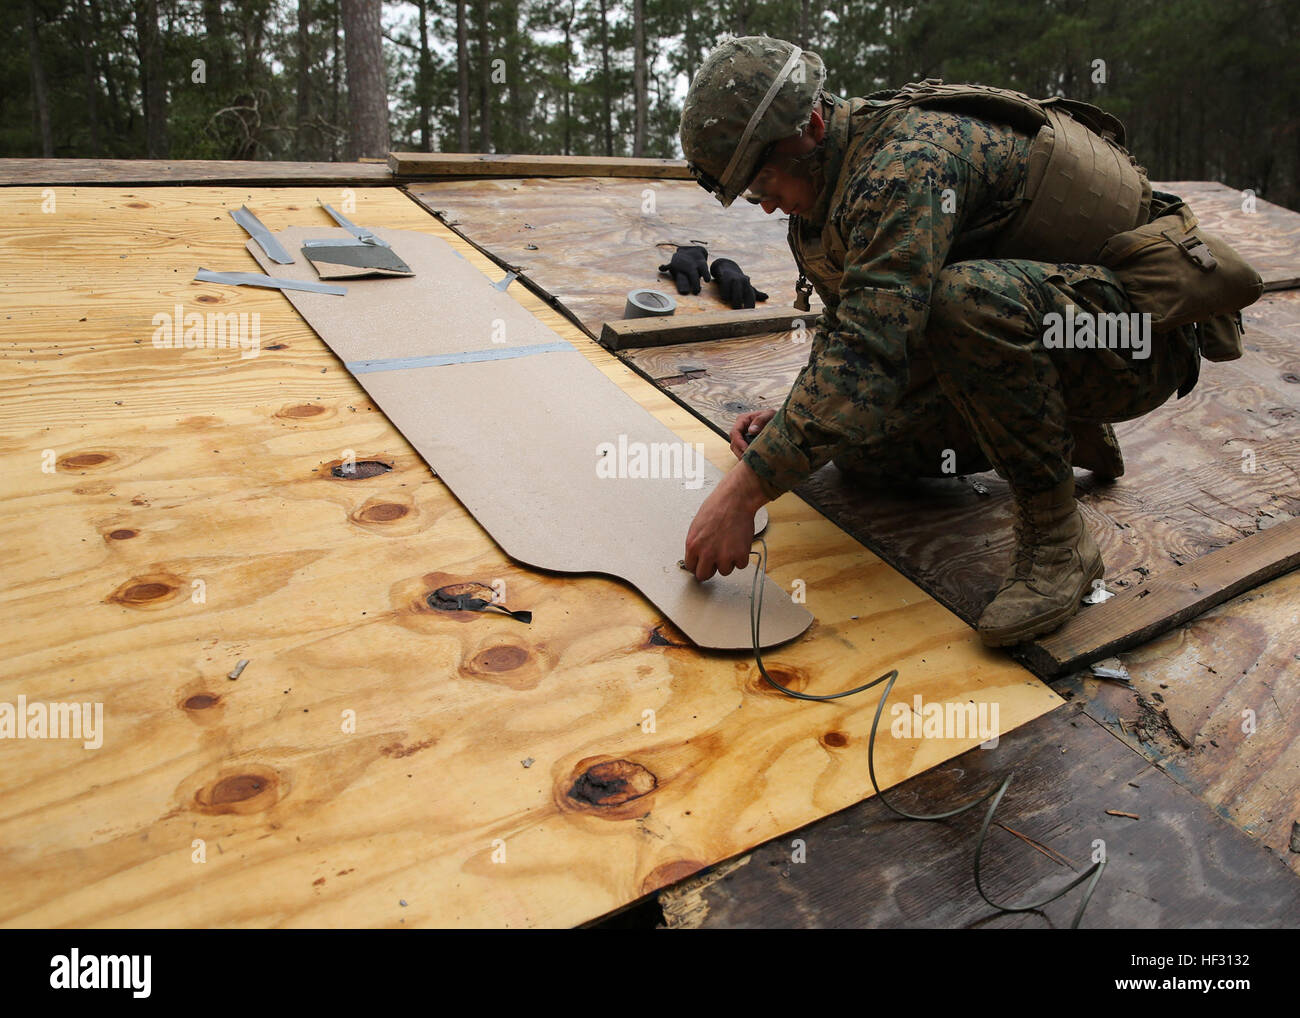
(520, 425)
(378, 762)
(587, 242)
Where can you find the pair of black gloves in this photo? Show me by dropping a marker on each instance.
(689, 265)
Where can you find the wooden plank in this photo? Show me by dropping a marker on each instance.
(1214, 704)
(141, 172)
(1170, 599)
(650, 332)
(416, 165)
(586, 243)
(194, 518)
(864, 868)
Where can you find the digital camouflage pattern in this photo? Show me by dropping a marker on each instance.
(928, 345)
(723, 95)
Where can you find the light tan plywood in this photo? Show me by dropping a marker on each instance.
(191, 518)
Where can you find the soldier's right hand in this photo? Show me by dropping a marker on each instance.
(687, 267)
(746, 428)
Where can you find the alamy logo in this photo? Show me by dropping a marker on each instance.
(651, 460)
(73, 971)
(946, 720)
(83, 721)
(217, 330)
(1106, 331)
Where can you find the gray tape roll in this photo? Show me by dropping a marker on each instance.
(648, 304)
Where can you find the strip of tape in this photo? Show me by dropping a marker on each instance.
(464, 357)
(265, 239)
(269, 282)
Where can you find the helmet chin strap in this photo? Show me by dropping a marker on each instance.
(786, 70)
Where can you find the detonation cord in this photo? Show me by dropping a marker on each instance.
(1092, 874)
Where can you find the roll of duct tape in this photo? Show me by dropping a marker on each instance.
(648, 304)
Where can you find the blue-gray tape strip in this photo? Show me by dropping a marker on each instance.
(465, 357)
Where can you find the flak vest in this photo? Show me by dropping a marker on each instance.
(1080, 189)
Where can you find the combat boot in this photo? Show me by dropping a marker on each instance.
(1096, 448)
(1056, 561)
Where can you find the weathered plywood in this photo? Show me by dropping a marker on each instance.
(192, 516)
(588, 242)
(1215, 705)
(1140, 614)
(1178, 866)
(171, 172)
(475, 164)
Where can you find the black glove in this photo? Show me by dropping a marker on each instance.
(734, 285)
(688, 266)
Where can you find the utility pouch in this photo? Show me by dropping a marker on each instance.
(1179, 274)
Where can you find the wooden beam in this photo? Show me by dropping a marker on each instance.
(29, 172)
(475, 164)
(705, 325)
(1141, 613)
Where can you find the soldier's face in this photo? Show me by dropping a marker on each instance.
(782, 183)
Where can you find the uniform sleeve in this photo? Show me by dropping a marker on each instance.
(899, 218)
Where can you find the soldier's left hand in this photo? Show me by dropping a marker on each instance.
(734, 285)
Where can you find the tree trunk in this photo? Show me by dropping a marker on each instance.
(638, 77)
(805, 23)
(690, 44)
(43, 137)
(151, 78)
(367, 89)
(484, 76)
(422, 79)
(300, 142)
(606, 84)
(337, 74)
(568, 77)
(88, 70)
(462, 73)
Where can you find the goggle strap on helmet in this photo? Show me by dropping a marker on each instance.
(759, 110)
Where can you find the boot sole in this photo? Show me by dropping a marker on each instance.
(1010, 635)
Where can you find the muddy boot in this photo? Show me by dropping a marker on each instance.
(1096, 448)
(1056, 561)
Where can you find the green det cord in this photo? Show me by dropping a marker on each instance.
(1092, 874)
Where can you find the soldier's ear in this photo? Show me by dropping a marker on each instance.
(816, 129)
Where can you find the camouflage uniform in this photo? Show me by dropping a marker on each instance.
(928, 344)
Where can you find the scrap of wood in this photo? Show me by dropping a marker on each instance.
(1166, 601)
(698, 327)
(475, 164)
(1121, 813)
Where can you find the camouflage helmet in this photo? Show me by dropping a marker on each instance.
(748, 94)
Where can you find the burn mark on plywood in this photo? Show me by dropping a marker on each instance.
(358, 470)
(611, 783)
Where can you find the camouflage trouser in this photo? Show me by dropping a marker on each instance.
(986, 392)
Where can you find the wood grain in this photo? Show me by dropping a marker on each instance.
(1180, 866)
(1138, 615)
(669, 331)
(474, 164)
(196, 514)
(586, 243)
(169, 172)
(1214, 704)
